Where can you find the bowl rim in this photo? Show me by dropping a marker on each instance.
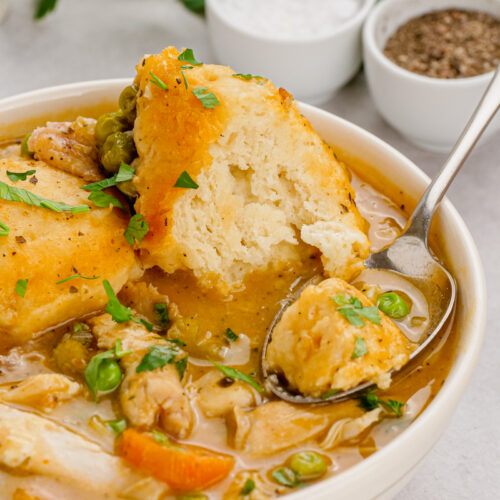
(370, 44)
(212, 7)
(461, 371)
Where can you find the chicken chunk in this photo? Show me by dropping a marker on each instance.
(152, 395)
(313, 345)
(44, 390)
(35, 445)
(217, 396)
(45, 247)
(276, 426)
(68, 146)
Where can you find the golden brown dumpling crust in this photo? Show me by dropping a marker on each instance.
(313, 343)
(268, 185)
(45, 247)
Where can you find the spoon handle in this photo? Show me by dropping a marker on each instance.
(421, 218)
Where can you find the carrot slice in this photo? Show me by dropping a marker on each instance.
(183, 469)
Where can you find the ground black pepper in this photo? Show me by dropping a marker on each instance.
(448, 43)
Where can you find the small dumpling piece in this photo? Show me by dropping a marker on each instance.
(318, 350)
(268, 186)
(45, 247)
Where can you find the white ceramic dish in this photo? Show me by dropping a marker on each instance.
(312, 69)
(430, 112)
(388, 470)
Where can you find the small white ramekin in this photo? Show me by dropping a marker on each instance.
(312, 69)
(430, 112)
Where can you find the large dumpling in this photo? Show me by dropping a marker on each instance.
(268, 186)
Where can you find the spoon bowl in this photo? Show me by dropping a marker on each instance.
(409, 256)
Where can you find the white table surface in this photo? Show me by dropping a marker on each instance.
(91, 39)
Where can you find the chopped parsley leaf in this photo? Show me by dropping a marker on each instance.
(155, 80)
(44, 7)
(187, 67)
(136, 230)
(102, 199)
(329, 394)
(248, 487)
(196, 6)
(19, 176)
(162, 313)
(11, 193)
(4, 229)
(181, 366)
(237, 375)
(360, 348)
(208, 99)
(158, 356)
(353, 310)
(247, 76)
(231, 336)
(21, 286)
(163, 439)
(188, 57)
(114, 307)
(185, 181)
(184, 78)
(125, 173)
(75, 276)
(370, 401)
(178, 342)
(142, 321)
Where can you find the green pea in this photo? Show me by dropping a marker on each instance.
(193, 496)
(108, 124)
(127, 102)
(24, 147)
(393, 305)
(118, 148)
(127, 188)
(308, 465)
(109, 375)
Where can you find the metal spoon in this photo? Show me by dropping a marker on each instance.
(409, 255)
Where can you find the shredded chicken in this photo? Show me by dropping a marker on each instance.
(68, 146)
(44, 390)
(148, 396)
(35, 445)
(216, 399)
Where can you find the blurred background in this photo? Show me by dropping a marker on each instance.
(97, 39)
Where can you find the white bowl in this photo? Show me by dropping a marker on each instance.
(312, 69)
(430, 112)
(384, 473)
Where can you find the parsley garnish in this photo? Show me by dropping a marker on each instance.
(161, 355)
(330, 394)
(75, 276)
(102, 199)
(197, 6)
(247, 76)
(370, 401)
(95, 373)
(352, 309)
(208, 99)
(188, 57)
(185, 181)
(19, 176)
(158, 356)
(162, 439)
(10, 193)
(178, 342)
(162, 313)
(184, 78)
(118, 311)
(21, 286)
(44, 7)
(157, 81)
(4, 229)
(126, 173)
(118, 426)
(360, 348)
(248, 487)
(136, 230)
(237, 375)
(231, 336)
(286, 477)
